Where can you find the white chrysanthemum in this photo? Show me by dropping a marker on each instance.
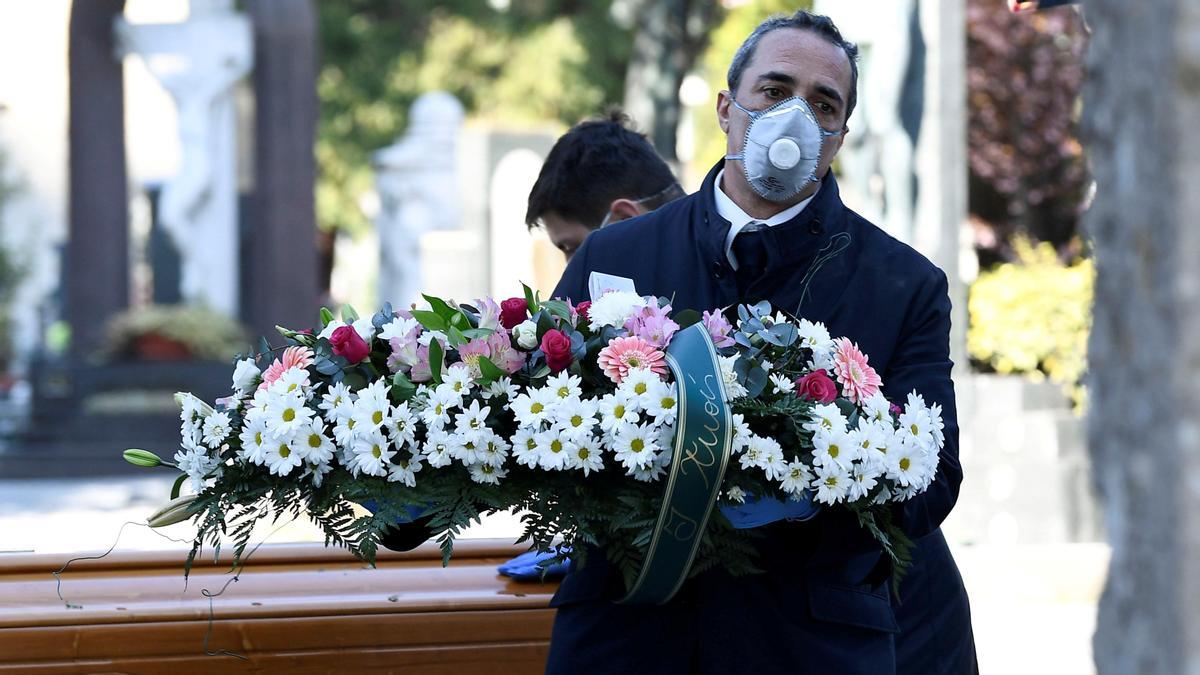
(826, 417)
(405, 470)
(466, 449)
(915, 423)
(365, 328)
(402, 428)
(586, 456)
(781, 383)
(287, 414)
(198, 464)
(834, 447)
(937, 426)
(863, 477)
(493, 449)
(438, 408)
(565, 386)
(372, 455)
(553, 449)
(345, 431)
(525, 447)
(426, 338)
(735, 494)
(191, 408)
(371, 413)
(216, 429)
(576, 417)
(254, 438)
(869, 440)
(876, 408)
(502, 387)
(733, 388)
(327, 331)
(796, 478)
(639, 384)
(617, 409)
(832, 483)
(437, 449)
(472, 421)
(533, 407)
(614, 309)
(337, 402)
(398, 327)
(763, 453)
(316, 472)
(815, 337)
(291, 381)
(664, 402)
(488, 474)
(245, 376)
(457, 378)
(647, 473)
(312, 443)
(741, 433)
(635, 445)
(280, 457)
(906, 463)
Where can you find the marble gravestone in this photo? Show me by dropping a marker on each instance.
(419, 189)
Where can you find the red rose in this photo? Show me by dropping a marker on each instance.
(348, 343)
(817, 386)
(582, 310)
(557, 348)
(512, 312)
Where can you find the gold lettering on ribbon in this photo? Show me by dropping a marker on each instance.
(704, 457)
(681, 527)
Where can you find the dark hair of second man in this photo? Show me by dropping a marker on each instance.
(594, 163)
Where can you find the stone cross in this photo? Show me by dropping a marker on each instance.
(199, 61)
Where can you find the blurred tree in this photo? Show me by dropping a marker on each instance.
(10, 270)
(532, 60)
(1027, 172)
(670, 37)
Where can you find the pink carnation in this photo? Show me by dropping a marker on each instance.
(653, 324)
(718, 329)
(625, 354)
(292, 357)
(859, 381)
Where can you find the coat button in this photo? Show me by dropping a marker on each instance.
(815, 227)
(718, 270)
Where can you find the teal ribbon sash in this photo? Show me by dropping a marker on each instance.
(704, 433)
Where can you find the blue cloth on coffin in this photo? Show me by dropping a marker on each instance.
(528, 567)
(413, 511)
(756, 512)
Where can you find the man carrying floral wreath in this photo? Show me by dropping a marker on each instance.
(768, 224)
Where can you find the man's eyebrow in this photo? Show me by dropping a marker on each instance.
(830, 93)
(776, 76)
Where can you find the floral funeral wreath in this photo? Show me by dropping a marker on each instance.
(616, 425)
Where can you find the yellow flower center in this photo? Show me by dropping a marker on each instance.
(377, 417)
(564, 392)
(904, 464)
(667, 403)
(576, 420)
(639, 388)
(584, 453)
(284, 450)
(376, 451)
(637, 445)
(619, 411)
(289, 415)
(258, 438)
(914, 429)
(556, 445)
(834, 450)
(536, 408)
(314, 440)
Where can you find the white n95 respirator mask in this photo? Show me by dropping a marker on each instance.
(782, 148)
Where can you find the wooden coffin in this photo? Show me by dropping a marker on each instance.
(295, 608)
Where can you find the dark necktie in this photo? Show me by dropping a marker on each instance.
(750, 252)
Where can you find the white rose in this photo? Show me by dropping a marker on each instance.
(526, 334)
(244, 375)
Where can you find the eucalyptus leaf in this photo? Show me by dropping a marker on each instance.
(743, 312)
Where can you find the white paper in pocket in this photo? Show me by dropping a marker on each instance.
(600, 283)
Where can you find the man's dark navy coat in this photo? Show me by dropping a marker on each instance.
(822, 605)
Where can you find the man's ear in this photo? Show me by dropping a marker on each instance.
(623, 209)
(723, 100)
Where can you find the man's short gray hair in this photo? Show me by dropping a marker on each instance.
(802, 20)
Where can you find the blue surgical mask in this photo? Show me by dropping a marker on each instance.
(782, 148)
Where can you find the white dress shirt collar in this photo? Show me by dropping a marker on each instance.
(739, 219)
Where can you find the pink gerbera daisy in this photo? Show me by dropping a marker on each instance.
(625, 354)
(292, 357)
(859, 381)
